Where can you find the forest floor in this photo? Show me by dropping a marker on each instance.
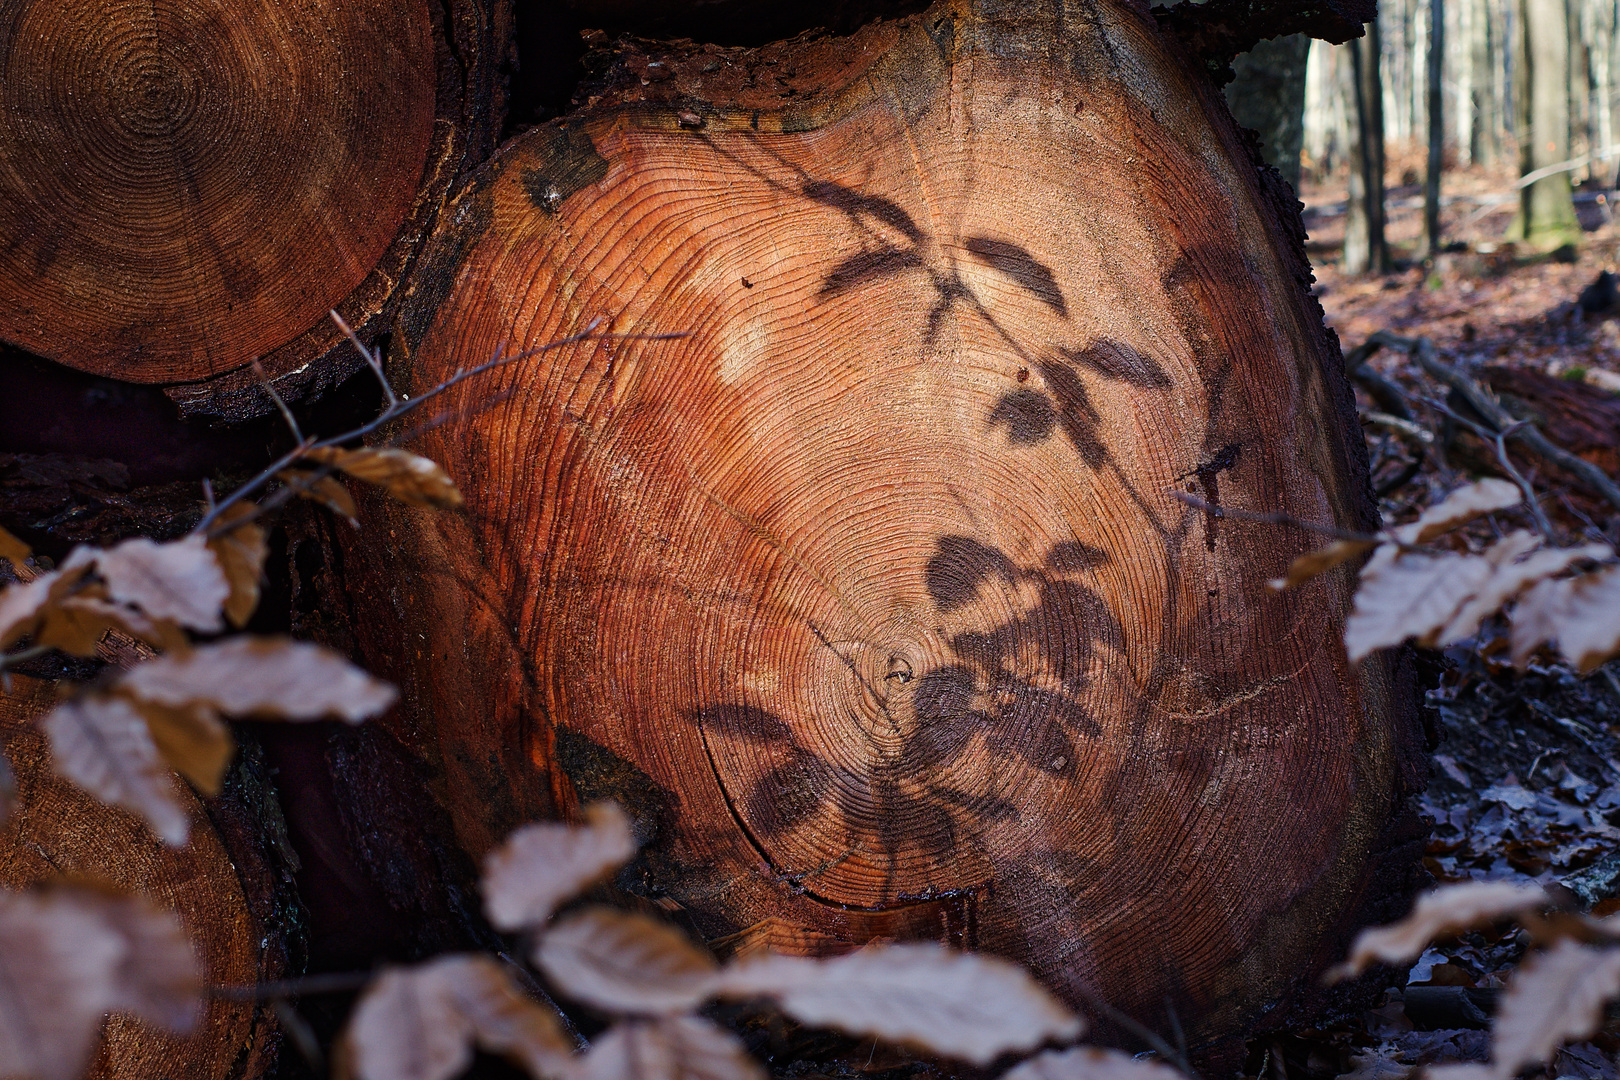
(1526, 774)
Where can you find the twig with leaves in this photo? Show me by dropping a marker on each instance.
(70, 954)
(422, 1022)
(1437, 597)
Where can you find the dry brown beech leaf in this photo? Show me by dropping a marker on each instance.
(1461, 506)
(13, 549)
(179, 580)
(76, 624)
(1581, 613)
(326, 490)
(408, 477)
(160, 978)
(23, 604)
(103, 745)
(1448, 910)
(192, 740)
(241, 551)
(543, 864)
(67, 957)
(1089, 1063)
(1313, 563)
(1515, 566)
(421, 1023)
(622, 962)
(262, 677)
(1556, 996)
(1410, 594)
(668, 1048)
(961, 1005)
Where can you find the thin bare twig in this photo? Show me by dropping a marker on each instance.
(281, 404)
(1141, 1031)
(1498, 439)
(399, 408)
(1272, 518)
(1410, 429)
(301, 1034)
(21, 656)
(338, 982)
(371, 359)
(1483, 402)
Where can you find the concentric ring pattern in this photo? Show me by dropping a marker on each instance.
(876, 571)
(188, 184)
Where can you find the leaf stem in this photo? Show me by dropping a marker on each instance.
(337, 982)
(1273, 518)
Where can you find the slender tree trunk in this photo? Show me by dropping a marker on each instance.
(1546, 212)
(1365, 251)
(1437, 127)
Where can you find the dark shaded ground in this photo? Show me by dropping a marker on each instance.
(1526, 774)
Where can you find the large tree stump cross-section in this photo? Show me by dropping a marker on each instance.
(871, 595)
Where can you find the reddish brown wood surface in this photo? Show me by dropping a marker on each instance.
(870, 596)
(190, 186)
(59, 832)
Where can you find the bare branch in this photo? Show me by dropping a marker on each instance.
(370, 357)
(1483, 402)
(286, 413)
(1273, 518)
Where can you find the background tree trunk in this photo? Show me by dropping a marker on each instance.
(870, 596)
(1437, 126)
(1546, 212)
(1268, 96)
(1365, 250)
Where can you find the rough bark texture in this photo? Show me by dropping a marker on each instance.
(1215, 31)
(870, 596)
(229, 886)
(189, 187)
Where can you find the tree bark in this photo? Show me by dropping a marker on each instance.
(190, 188)
(870, 595)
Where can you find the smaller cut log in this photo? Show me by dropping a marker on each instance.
(229, 898)
(190, 187)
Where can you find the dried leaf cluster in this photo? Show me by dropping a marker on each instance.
(120, 740)
(1557, 995)
(421, 1023)
(71, 954)
(1568, 596)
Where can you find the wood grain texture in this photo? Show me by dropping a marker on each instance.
(870, 597)
(58, 831)
(189, 186)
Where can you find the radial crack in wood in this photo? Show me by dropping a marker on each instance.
(869, 597)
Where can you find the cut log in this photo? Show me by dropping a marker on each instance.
(191, 186)
(871, 596)
(231, 903)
